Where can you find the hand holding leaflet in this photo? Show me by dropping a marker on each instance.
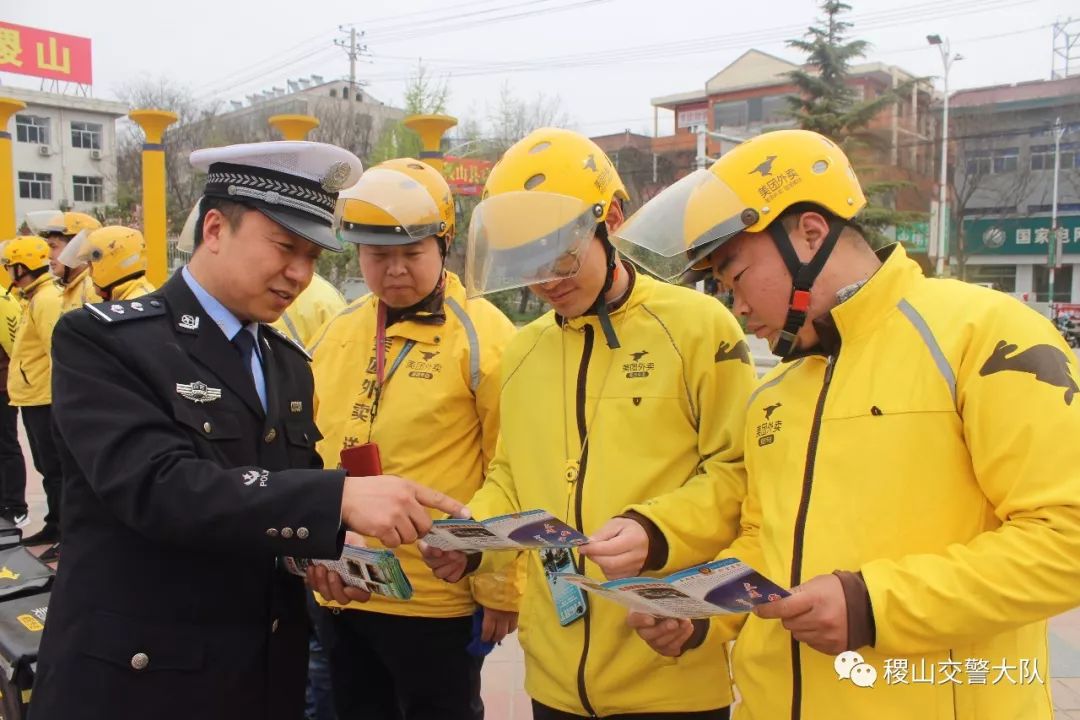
(376, 571)
(533, 529)
(722, 587)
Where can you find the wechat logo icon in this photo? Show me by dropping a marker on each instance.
(851, 666)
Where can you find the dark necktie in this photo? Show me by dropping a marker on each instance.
(244, 342)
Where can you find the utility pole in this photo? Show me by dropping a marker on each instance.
(353, 50)
(947, 60)
(1054, 258)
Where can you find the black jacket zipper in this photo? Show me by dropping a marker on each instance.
(583, 430)
(800, 529)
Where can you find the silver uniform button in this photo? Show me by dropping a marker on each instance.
(139, 661)
(207, 427)
(273, 626)
(271, 532)
(271, 436)
(302, 533)
(286, 532)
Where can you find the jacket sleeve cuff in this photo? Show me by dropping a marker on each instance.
(701, 629)
(860, 613)
(658, 547)
(472, 563)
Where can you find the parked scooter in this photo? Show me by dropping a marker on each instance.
(1069, 327)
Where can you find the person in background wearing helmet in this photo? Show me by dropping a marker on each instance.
(189, 422)
(12, 465)
(312, 309)
(905, 469)
(29, 380)
(59, 228)
(622, 414)
(116, 257)
(413, 367)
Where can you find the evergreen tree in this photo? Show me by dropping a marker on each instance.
(828, 103)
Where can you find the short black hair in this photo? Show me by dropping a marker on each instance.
(232, 210)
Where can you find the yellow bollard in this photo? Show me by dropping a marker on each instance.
(294, 127)
(153, 123)
(430, 128)
(8, 107)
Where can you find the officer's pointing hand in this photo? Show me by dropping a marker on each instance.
(815, 614)
(393, 509)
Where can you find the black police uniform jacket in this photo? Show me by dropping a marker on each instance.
(170, 601)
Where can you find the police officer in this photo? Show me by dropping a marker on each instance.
(189, 425)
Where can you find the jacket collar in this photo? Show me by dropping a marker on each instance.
(201, 337)
(861, 314)
(74, 283)
(120, 290)
(427, 325)
(636, 291)
(29, 291)
(428, 311)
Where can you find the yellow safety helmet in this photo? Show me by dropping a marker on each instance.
(6, 281)
(540, 208)
(51, 222)
(744, 191)
(397, 202)
(115, 254)
(30, 251)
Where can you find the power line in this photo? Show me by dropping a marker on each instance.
(228, 83)
(241, 82)
(920, 12)
(440, 26)
(648, 53)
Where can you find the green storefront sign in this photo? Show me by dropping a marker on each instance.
(915, 237)
(1019, 236)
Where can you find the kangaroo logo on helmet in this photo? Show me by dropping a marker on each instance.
(765, 168)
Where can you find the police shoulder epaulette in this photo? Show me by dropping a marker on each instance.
(123, 310)
(288, 340)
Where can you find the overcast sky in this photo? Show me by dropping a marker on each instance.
(604, 59)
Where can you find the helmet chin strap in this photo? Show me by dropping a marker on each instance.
(601, 305)
(803, 276)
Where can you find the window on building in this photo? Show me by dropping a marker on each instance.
(1042, 156)
(978, 162)
(86, 135)
(35, 186)
(88, 189)
(333, 92)
(753, 110)
(775, 109)
(1062, 284)
(1002, 277)
(1006, 160)
(730, 114)
(32, 129)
